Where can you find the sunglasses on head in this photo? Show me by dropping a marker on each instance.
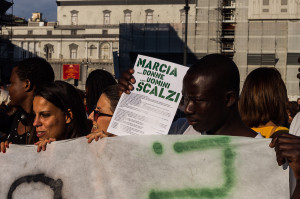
(98, 114)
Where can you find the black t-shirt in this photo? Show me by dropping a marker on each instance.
(5, 123)
(13, 136)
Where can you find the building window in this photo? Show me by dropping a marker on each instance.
(265, 10)
(149, 15)
(74, 17)
(31, 49)
(105, 32)
(265, 2)
(106, 15)
(73, 32)
(73, 51)
(49, 32)
(127, 16)
(49, 50)
(25, 50)
(182, 16)
(284, 2)
(24, 54)
(283, 10)
(105, 51)
(30, 32)
(92, 49)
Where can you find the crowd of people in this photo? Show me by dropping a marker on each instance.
(45, 110)
(42, 110)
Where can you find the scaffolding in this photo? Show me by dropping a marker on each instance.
(228, 13)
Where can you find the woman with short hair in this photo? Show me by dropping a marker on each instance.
(263, 102)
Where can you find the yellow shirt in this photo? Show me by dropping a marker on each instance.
(267, 130)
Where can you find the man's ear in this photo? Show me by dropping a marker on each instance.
(231, 98)
(69, 116)
(27, 86)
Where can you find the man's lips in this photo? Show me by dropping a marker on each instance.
(191, 122)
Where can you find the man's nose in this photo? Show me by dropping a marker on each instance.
(189, 107)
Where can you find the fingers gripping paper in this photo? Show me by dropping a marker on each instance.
(151, 106)
(152, 167)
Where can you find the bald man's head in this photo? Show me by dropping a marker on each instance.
(222, 69)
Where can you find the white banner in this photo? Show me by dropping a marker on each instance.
(145, 167)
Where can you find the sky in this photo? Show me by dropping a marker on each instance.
(25, 8)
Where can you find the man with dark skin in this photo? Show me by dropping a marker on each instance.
(210, 92)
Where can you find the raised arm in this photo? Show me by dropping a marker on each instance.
(126, 81)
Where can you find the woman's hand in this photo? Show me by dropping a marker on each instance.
(42, 144)
(4, 145)
(96, 135)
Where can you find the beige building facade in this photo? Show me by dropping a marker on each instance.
(254, 33)
(87, 33)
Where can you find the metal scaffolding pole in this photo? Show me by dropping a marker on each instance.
(186, 8)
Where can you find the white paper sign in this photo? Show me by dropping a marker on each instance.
(151, 106)
(145, 167)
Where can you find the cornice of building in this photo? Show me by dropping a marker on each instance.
(121, 2)
(68, 36)
(82, 27)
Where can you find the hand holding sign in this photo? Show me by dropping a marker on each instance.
(154, 98)
(126, 81)
(287, 148)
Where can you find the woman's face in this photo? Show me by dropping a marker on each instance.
(101, 123)
(17, 89)
(50, 121)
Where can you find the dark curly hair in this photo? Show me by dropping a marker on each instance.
(37, 70)
(96, 82)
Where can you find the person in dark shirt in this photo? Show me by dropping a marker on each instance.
(27, 76)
